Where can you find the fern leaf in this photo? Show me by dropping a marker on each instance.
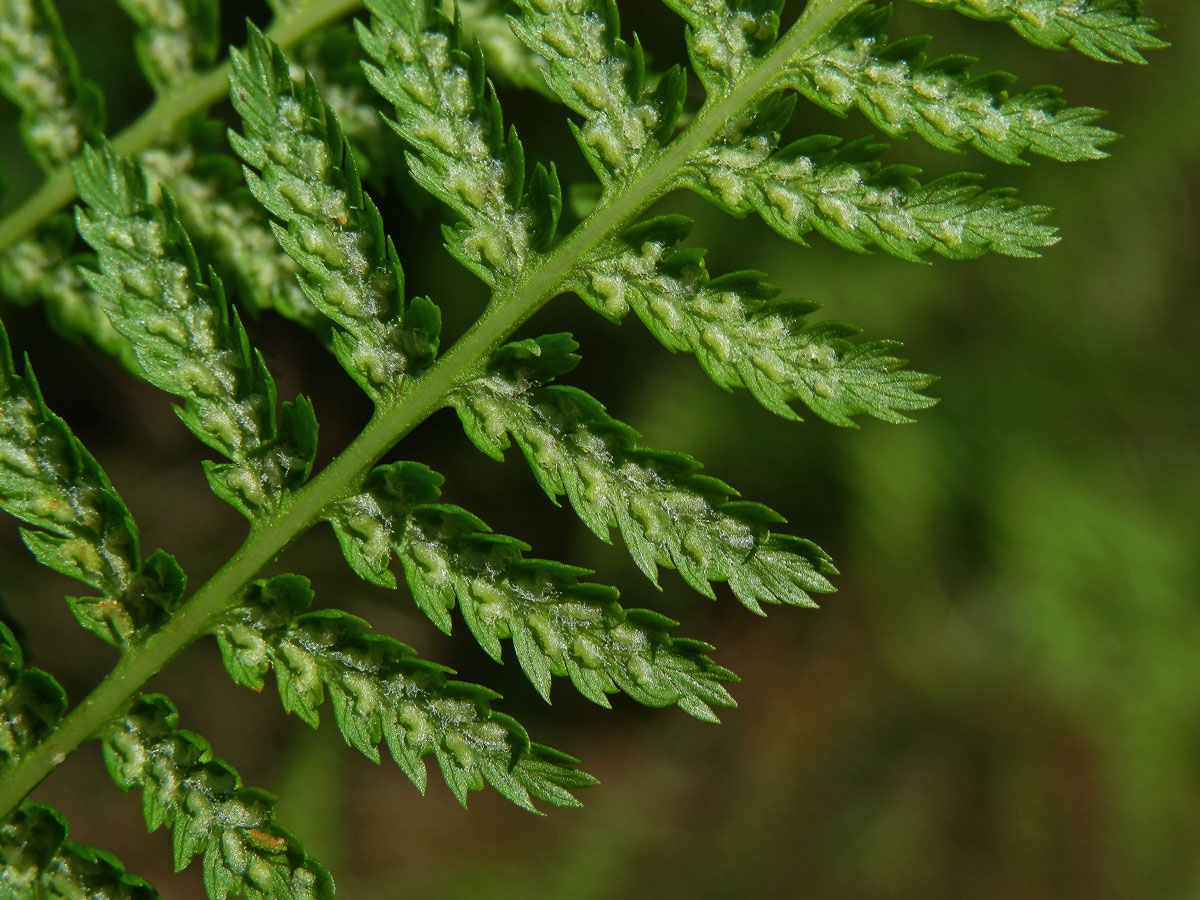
(38, 71)
(451, 117)
(667, 512)
(381, 691)
(187, 341)
(79, 526)
(231, 231)
(742, 336)
(202, 800)
(602, 78)
(175, 38)
(37, 861)
(842, 192)
(726, 38)
(43, 269)
(559, 625)
(1107, 30)
(901, 91)
(509, 61)
(31, 702)
(327, 224)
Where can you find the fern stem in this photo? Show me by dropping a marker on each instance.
(195, 95)
(391, 424)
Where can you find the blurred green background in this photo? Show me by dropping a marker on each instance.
(1003, 699)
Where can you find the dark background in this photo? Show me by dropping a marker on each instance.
(1003, 699)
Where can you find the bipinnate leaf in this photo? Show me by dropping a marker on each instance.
(308, 181)
(603, 78)
(247, 854)
(79, 525)
(37, 862)
(741, 335)
(39, 73)
(667, 512)
(175, 39)
(382, 692)
(449, 115)
(1107, 30)
(901, 91)
(186, 339)
(559, 625)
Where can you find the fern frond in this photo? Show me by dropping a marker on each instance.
(559, 625)
(447, 112)
(202, 800)
(79, 525)
(381, 691)
(602, 78)
(843, 192)
(31, 702)
(901, 91)
(328, 225)
(187, 341)
(1107, 30)
(42, 268)
(175, 38)
(229, 228)
(509, 61)
(39, 73)
(667, 512)
(37, 861)
(741, 335)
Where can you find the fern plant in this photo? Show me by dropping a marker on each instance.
(176, 218)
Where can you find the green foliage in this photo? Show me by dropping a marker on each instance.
(187, 341)
(171, 223)
(31, 702)
(202, 800)
(1107, 30)
(742, 335)
(558, 624)
(381, 691)
(175, 38)
(901, 91)
(667, 512)
(448, 113)
(38, 71)
(37, 861)
(80, 527)
(333, 230)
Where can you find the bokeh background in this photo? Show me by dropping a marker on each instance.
(1001, 701)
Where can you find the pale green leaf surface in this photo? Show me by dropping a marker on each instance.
(742, 336)
(603, 78)
(901, 91)
(79, 525)
(382, 692)
(448, 114)
(559, 625)
(667, 512)
(39, 73)
(247, 854)
(175, 38)
(1107, 30)
(306, 178)
(187, 341)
